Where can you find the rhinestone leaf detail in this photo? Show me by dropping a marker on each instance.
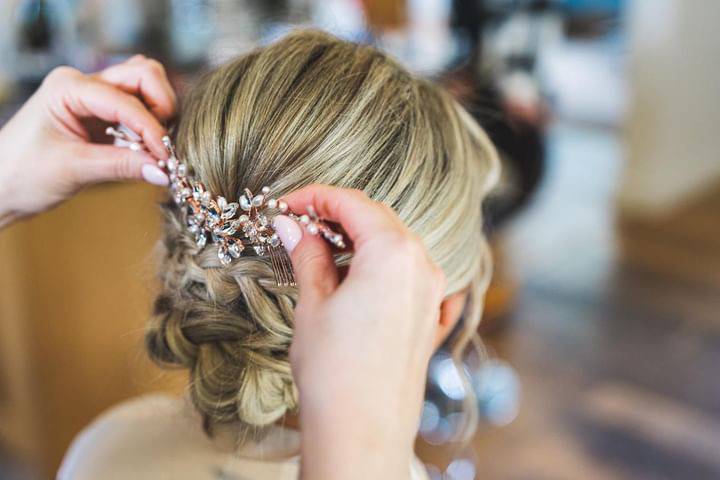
(230, 226)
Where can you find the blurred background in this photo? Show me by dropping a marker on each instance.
(602, 328)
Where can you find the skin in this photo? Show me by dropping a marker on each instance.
(48, 148)
(359, 363)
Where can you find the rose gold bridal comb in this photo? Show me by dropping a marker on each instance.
(233, 227)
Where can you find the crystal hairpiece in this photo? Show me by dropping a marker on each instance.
(233, 227)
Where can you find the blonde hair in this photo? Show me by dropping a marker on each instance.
(309, 108)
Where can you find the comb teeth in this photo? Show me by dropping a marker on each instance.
(282, 267)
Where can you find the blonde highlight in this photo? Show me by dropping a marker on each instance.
(309, 108)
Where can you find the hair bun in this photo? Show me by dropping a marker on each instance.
(230, 327)
(265, 395)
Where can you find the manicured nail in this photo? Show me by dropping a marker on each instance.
(288, 230)
(152, 174)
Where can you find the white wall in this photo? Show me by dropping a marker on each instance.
(673, 128)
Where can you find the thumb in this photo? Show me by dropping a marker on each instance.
(311, 257)
(106, 163)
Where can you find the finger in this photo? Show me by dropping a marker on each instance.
(89, 97)
(312, 260)
(105, 163)
(147, 78)
(358, 215)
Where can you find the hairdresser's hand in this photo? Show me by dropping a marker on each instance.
(361, 345)
(46, 149)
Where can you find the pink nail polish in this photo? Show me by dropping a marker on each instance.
(288, 230)
(152, 174)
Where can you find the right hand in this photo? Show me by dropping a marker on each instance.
(48, 153)
(361, 346)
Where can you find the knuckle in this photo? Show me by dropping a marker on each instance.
(404, 245)
(154, 66)
(387, 208)
(397, 240)
(418, 254)
(357, 193)
(124, 167)
(61, 74)
(64, 71)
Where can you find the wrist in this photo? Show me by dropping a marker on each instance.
(343, 443)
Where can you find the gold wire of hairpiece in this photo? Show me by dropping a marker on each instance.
(233, 227)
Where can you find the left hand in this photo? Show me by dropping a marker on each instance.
(47, 152)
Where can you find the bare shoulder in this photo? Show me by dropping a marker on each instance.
(136, 434)
(160, 437)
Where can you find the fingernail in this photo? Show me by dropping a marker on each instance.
(288, 230)
(153, 174)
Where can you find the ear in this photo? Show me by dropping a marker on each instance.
(451, 310)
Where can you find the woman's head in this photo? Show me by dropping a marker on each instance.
(308, 109)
